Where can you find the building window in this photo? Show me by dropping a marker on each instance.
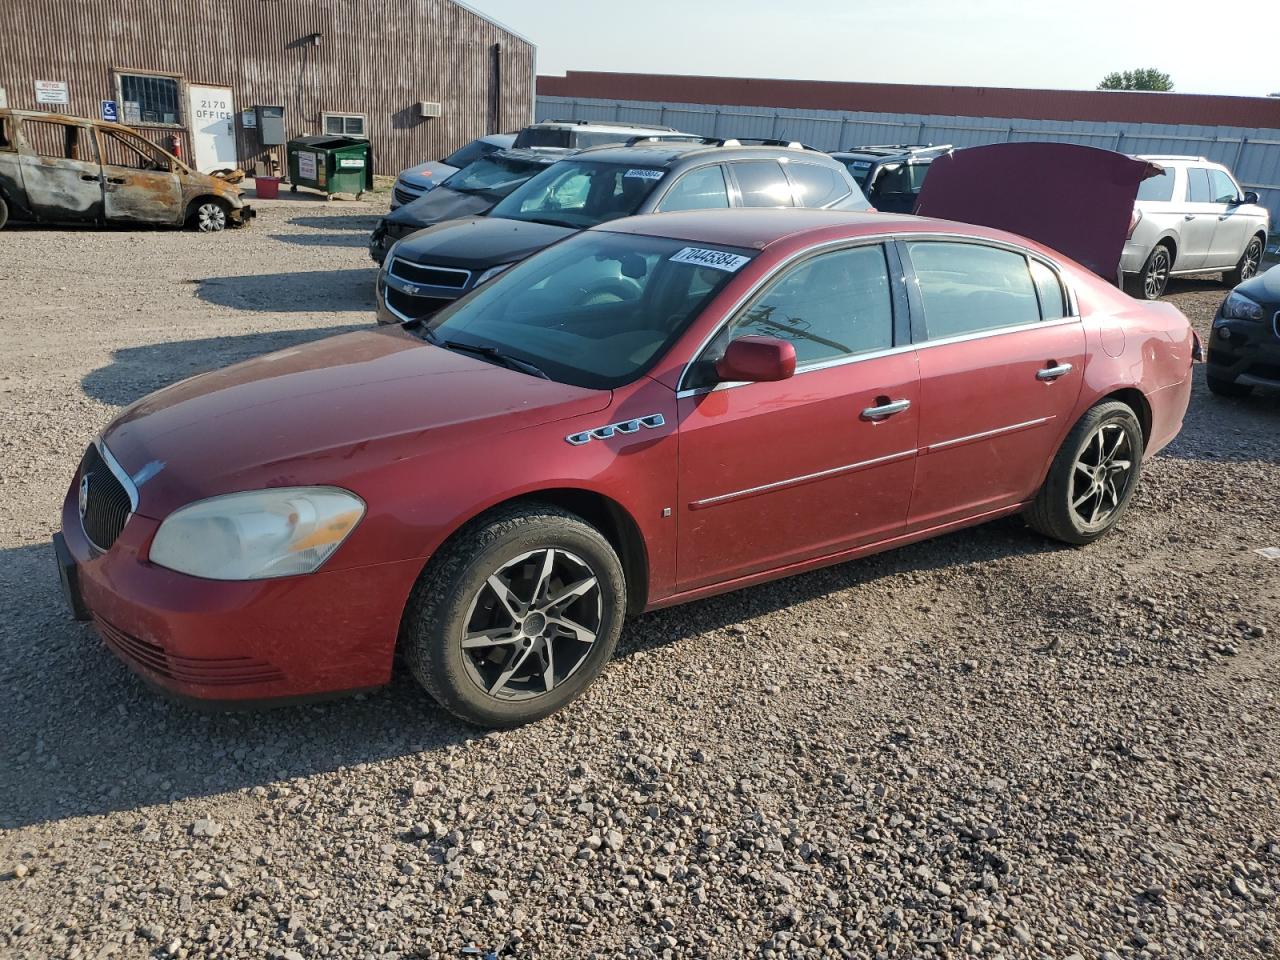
(149, 99)
(344, 124)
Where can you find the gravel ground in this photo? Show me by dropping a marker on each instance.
(986, 745)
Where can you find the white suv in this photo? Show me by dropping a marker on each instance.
(1193, 218)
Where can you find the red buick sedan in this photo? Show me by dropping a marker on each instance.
(649, 412)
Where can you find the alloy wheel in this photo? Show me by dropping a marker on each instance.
(532, 624)
(1157, 276)
(211, 217)
(1252, 256)
(1101, 475)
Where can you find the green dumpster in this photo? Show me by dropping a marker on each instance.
(330, 164)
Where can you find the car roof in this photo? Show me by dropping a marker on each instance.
(922, 151)
(758, 228)
(670, 153)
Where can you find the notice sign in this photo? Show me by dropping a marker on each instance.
(52, 91)
(306, 165)
(248, 119)
(110, 111)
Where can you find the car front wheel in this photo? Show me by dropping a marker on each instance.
(4, 213)
(209, 216)
(1247, 266)
(1092, 478)
(515, 616)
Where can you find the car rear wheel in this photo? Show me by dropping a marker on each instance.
(515, 616)
(1248, 265)
(1150, 283)
(1228, 388)
(1092, 478)
(209, 216)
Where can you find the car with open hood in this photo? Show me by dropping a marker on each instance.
(651, 411)
(470, 192)
(661, 173)
(69, 170)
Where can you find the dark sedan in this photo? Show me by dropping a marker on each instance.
(1244, 351)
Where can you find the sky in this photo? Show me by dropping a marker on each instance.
(1000, 43)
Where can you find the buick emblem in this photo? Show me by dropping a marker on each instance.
(84, 492)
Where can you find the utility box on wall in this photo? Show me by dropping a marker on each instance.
(270, 125)
(428, 108)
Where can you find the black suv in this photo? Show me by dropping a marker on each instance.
(436, 266)
(470, 192)
(891, 175)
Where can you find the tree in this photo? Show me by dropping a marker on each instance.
(1144, 78)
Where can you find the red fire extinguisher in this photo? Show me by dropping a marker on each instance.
(175, 145)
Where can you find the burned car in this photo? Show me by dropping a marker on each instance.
(60, 169)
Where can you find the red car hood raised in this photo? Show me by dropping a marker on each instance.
(323, 413)
(1073, 199)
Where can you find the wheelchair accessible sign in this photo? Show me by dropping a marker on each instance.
(110, 111)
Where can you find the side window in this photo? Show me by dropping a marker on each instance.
(1158, 188)
(834, 305)
(699, 189)
(121, 150)
(815, 186)
(1224, 188)
(763, 183)
(60, 141)
(966, 288)
(1053, 299)
(6, 142)
(1198, 181)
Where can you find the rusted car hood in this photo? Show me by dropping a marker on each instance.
(1076, 200)
(325, 413)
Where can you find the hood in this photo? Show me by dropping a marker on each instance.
(1264, 288)
(479, 242)
(329, 412)
(1076, 200)
(438, 205)
(428, 174)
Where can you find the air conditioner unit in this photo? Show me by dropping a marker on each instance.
(428, 108)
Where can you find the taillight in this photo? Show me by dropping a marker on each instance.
(1133, 223)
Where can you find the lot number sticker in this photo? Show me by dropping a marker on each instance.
(644, 174)
(715, 259)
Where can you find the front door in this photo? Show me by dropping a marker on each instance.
(140, 185)
(60, 171)
(213, 136)
(1199, 222)
(1235, 222)
(778, 473)
(1001, 367)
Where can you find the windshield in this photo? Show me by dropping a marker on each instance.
(858, 169)
(597, 310)
(580, 194)
(495, 175)
(472, 152)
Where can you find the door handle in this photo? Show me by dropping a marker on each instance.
(1224, 216)
(115, 179)
(886, 409)
(1189, 216)
(1054, 372)
(88, 179)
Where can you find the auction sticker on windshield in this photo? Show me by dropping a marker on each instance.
(716, 259)
(645, 174)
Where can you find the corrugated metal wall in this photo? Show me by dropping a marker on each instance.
(376, 57)
(1254, 154)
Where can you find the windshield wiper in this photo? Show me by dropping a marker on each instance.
(489, 353)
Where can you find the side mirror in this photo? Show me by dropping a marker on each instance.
(757, 360)
(1250, 197)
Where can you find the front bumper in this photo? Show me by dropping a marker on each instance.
(1246, 351)
(223, 641)
(240, 216)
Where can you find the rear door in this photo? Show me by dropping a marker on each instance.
(1001, 367)
(778, 473)
(140, 185)
(60, 171)
(1199, 221)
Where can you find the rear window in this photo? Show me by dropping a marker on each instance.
(543, 137)
(1159, 188)
(472, 152)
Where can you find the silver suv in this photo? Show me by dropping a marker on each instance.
(1192, 218)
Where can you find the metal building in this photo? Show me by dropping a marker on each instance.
(1241, 132)
(418, 78)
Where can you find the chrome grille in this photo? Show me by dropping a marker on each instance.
(431, 276)
(413, 308)
(105, 501)
(404, 196)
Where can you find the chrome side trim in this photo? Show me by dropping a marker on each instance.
(125, 480)
(1012, 428)
(651, 422)
(796, 481)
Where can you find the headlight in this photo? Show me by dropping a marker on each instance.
(258, 534)
(493, 272)
(1239, 307)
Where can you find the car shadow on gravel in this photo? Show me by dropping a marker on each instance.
(360, 222)
(136, 371)
(84, 736)
(306, 291)
(1228, 430)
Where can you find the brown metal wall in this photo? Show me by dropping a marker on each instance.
(1171, 108)
(377, 57)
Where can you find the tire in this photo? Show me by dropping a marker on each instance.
(456, 596)
(4, 213)
(1227, 388)
(209, 216)
(1062, 510)
(1248, 264)
(1151, 281)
